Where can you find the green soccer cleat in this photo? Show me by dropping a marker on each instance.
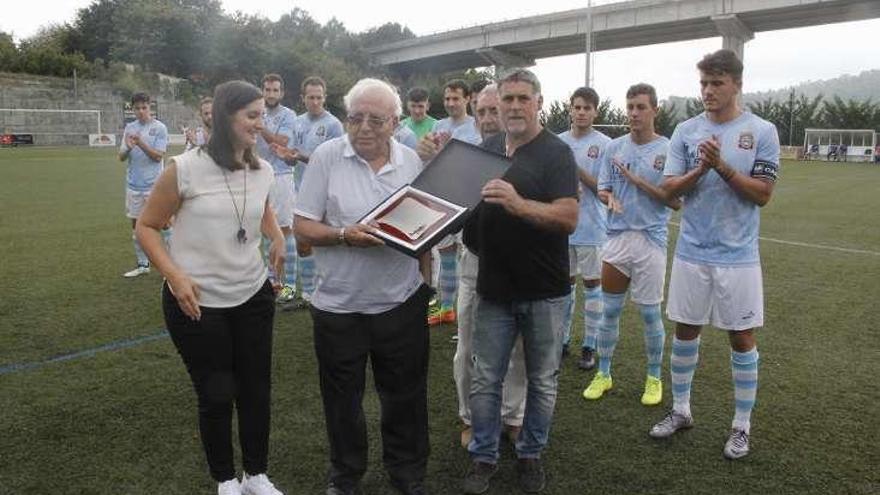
(601, 383)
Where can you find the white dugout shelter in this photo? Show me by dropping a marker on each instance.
(860, 143)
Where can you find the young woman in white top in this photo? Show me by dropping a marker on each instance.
(217, 300)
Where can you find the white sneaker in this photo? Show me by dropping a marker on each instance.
(737, 445)
(671, 423)
(258, 485)
(230, 487)
(137, 272)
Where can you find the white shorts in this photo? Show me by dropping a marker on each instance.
(282, 197)
(135, 202)
(642, 261)
(586, 261)
(732, 296)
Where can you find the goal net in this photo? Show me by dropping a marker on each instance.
(51, 126)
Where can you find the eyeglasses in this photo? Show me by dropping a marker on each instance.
(374, 122)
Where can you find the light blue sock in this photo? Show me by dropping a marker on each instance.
(609, 330)
(655, 337)
(448, 279)
(307, 275)
(682, 364)
(290, 261)
(745, 386)
(569, 316)
(592, 315)
(139, 253)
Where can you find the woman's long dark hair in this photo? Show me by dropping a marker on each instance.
(229, 98)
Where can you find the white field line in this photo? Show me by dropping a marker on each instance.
(810, 245)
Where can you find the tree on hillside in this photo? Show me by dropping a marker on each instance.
(849, 114)
(8, 53)
(666, 119)
(386, 33)
(693, 107)
(558, 119)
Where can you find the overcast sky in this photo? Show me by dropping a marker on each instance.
(773, 60)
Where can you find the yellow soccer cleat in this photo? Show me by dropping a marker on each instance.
(653, 391)
(600, 384)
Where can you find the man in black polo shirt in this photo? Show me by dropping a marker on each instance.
(520, 232)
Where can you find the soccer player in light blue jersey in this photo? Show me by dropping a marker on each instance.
(278, 132)
(310, 130)
(585, 245)
(461, 126)
(634, 258)
(144, 141)
(725, 163)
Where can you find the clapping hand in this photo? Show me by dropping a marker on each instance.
(710, 153)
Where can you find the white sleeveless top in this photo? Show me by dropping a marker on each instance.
(204, 244)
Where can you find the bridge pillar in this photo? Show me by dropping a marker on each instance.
(588, 44)
(734, 33)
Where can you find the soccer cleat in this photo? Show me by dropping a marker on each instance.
(434, 315)
(447, 315)
(737, 445)
(587, 360)
(601, 383)
(137, 272)
(229, 487)
(257, 485)
(531, 475)
(476, 481)
(286, 295)
(653, 391)
(671, 423)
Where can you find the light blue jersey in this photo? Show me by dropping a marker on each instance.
(592, 217)
(466, 130)
(718, 226)
(277, 121)
(143, 170)
(641, 212)
(405, 136)
(309, 132)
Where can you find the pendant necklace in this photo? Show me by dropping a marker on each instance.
(241, 235)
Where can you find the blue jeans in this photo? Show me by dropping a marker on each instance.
(497, 326)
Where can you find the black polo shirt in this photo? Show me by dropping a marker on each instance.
(521, 261)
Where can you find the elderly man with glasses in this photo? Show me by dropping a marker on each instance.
(370, 300)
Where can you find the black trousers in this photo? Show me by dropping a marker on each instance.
(397, 344)
(228, 355)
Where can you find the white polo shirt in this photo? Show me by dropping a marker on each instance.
(338, 189)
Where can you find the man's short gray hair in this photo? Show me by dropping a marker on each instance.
(370, 85)
(521, 75)
(488, 90)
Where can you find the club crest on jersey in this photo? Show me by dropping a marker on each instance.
(152, 131)
(746, 141)
(593, 152)
(321, 131)
(659, 162)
